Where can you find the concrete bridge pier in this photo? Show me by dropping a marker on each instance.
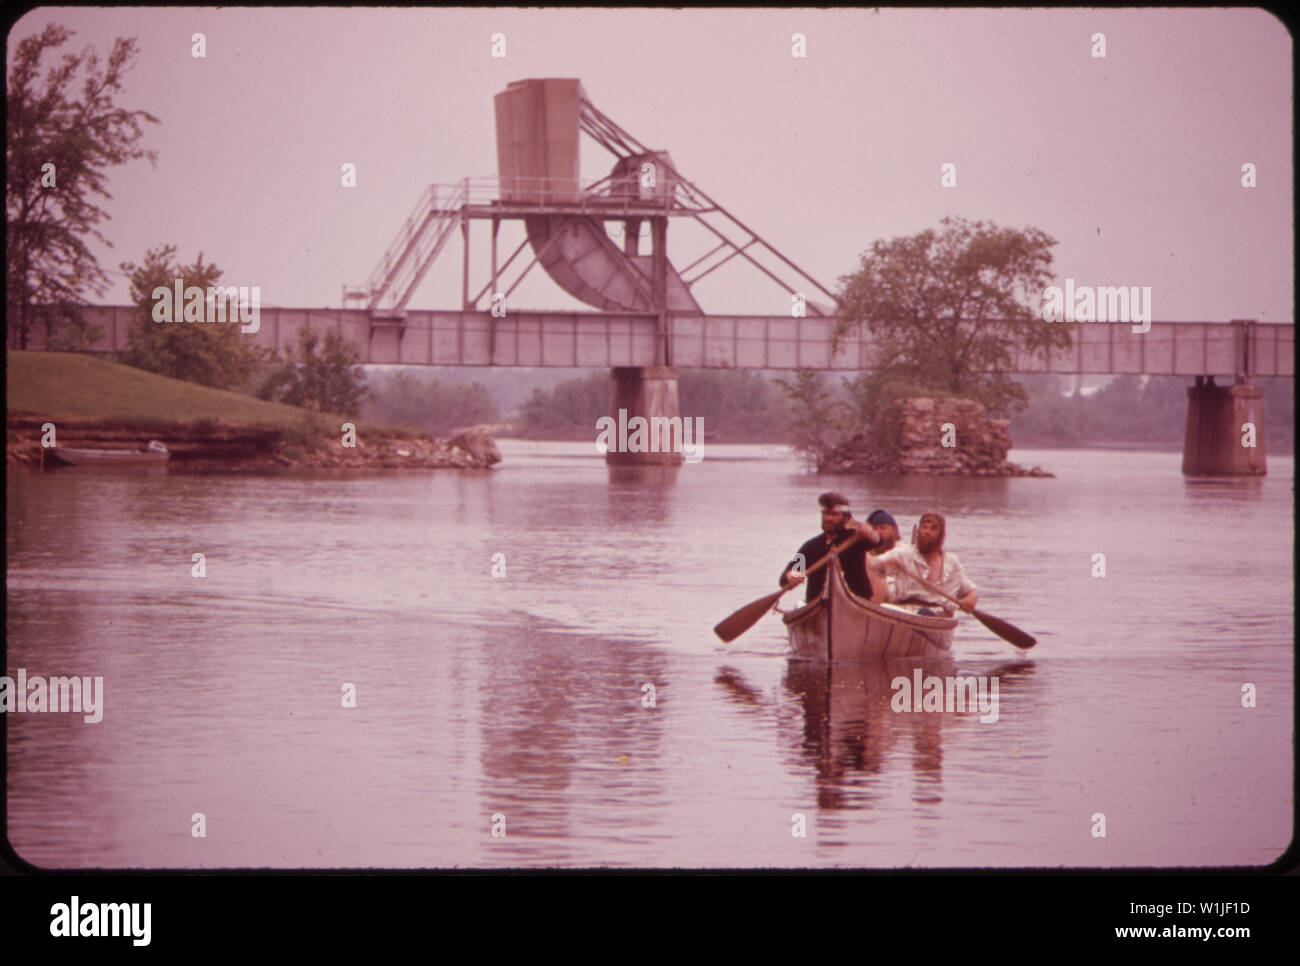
(648, 392)
(1219, 420)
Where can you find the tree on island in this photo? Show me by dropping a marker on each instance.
(210, 353)
(946, 311)
(323, 374)
(61, 140)
(816, 420)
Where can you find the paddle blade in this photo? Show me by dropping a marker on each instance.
(742, 620)
(1008, 632)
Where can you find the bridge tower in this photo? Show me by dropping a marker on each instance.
(538, 127)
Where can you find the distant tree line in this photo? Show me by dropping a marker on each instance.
(737, 406)
(1127, 410)
(404, 399)
(811, 408)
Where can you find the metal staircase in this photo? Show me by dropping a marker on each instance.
(418, 243)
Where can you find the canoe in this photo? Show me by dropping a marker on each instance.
(156, 454)
(841, 626)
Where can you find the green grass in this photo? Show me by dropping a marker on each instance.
(65, 385)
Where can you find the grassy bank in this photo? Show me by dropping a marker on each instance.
(104, 405)
(64, 385)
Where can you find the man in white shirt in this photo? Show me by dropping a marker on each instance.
(927, 560)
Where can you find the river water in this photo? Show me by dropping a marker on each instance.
(505, 720)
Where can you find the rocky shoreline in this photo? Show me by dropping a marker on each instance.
(238, 448)
(930, 437)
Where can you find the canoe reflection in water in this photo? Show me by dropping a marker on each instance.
(851, 733)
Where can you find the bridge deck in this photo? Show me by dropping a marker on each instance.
(598, 340)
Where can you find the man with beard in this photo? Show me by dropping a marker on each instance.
(838, 526)
(927, 560)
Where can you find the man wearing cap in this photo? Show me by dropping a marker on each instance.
(887, 527)
(927, 560)
(838, 526)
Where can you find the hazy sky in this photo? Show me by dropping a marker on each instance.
(1131, 161)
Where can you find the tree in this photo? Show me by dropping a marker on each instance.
(324, 374)
(459, 407)
(571, 404)
(210, 353)
(430, 405)
(61, 141)
(870, 392)
(945, 309)
(1053, 418)
(817, 420)
(736, 405)
(399, 399)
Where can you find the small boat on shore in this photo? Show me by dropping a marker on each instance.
(155, 454)
(841, 626)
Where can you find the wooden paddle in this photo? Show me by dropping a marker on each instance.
(732, 627)
(1008, 632)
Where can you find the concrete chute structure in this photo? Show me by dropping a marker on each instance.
(538, 126)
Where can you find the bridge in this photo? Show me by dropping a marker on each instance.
(647, 321)
(696, 340)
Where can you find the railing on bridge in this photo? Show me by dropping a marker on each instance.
(620, 195)
(441, 207)
(408, 258)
